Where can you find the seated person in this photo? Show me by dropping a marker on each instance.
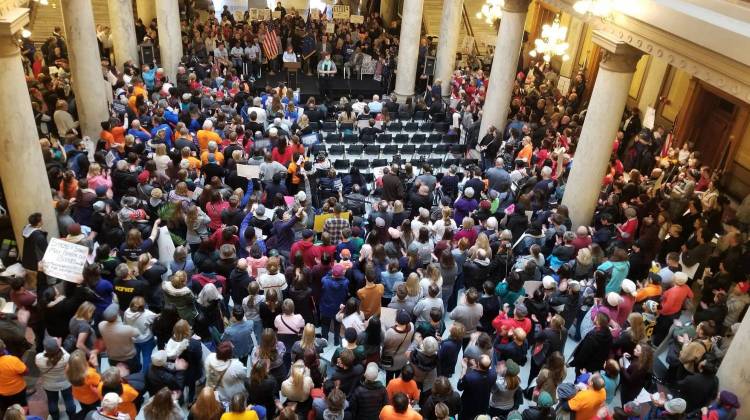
(326, 66)
(289, 55)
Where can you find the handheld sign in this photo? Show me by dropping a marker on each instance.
(276, 14)
(65, 260)
(341, 12)
(357, 19)
(330, 28)
(248, 171)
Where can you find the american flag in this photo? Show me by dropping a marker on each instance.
(270, 46)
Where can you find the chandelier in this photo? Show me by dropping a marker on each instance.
(552, 42)
(491, 11)
(599, 8)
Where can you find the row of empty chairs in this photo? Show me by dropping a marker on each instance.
(366, 166)
(389, 138)
(393, 127)
(376, 151)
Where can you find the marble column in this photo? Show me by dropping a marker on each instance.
(504, 65)
(146, 11)
(86, 68)
(22, 169)
(594, 148)
(408, 50)
(734, 371)
(170, 37)
(450, 26)
(123, 32)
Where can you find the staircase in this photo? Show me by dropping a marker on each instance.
(45, 18)
(482, 32)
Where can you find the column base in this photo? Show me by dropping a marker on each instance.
(401, 97)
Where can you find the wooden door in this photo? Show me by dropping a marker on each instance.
(714, 135)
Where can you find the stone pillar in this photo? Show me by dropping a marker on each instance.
(450, 26)
(22, 168)
(170, 37)
(594, 148)
(123, 32)
(734, 372)
(408, 50)
(504, 65)
(86, 67)
(146, 11)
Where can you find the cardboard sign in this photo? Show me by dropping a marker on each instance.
(649, 118)
(276, 14)
(330, 28)
(252, 14)
(248, 171)
(65, 260)
(320, 220)
(357, 19)
(341, 12)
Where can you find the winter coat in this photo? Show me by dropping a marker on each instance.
(335, 292)
(367, 400)
(34, 246)
(593, 350)
(475, 273)
(182, 299)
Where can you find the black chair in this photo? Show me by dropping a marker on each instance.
(469, 162)
(408, 149)
(424, 149)
(434, 138)
(350, 138)
(451, 138)
(333, 138)
(417, 161)
(441, 127)
(394, 127)
(378, 163)
(346, 126)
(401, 139)
(362, 164)
(329, 126)
(435, 162)
(426, 126)
(440, 149)
(369, 177)
(448, 162)
(404, 116)
(385, 138)
(411, 127)
(458, 149)
(390, 150)
(317, 148)
(417, 139)
(372, 150)
(336, 150)
(393, 116)
(354, 150)
(341, 164)
(315, 126)
(420, 115)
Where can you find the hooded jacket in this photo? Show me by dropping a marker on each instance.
(593, 350)
(306, 248)
(182, 299)
(34, 246)
(142, 321)
(367, 400)
(476, 272)
(231, 382)
(334, 294)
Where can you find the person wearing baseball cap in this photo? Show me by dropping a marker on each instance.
(335, 289)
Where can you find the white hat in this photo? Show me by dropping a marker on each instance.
(469, 192)
(301, 196)
(372, 372)
(680, 278)
(613, 299)
(628, 286)
(548, 282)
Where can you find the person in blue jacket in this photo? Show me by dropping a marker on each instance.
(335, 291)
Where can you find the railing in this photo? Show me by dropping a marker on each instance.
(467, 25)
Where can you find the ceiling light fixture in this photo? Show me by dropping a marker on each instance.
(552, 42)
(491, 11)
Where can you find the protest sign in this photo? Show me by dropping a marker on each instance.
(65, 260)
(357, 19)
(248, 171)
(341, 12)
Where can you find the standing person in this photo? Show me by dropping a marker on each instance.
(224, 373)
(34, 247)
(399, 409)
(119, 339)
(476, 383)
(52, 364)
(162, 406)
(335, 291)
(141, 318)
(85, 380)
(586, 403)
(637, 374)
(593, 350)
(506, 390)
(370, 396)
(240, 334)
(396, 342)
(110, 409)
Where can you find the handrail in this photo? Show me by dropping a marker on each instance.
(467, 25)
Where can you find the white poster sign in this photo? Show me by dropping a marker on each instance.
(248, 171)
(65, 260)
(649, 117)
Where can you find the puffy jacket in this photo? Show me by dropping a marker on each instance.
(367, 400)
(476, 273)
(34, 247)
(182, 299)
(335, 292)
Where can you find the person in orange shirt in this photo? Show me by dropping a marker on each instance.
(586, 403)
(12, 385)
(404, 384)
(193, 162)
(206, 135)
(85, 380)
(112, 383)
(212, 149)
(651, 288)
(526, 151)
(399, 409)
(370, 295)
(118, 133)
(138, 90)
(106, 135)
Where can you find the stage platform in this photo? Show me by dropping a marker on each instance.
(332, 87)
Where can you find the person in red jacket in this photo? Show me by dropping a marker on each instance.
(306, 247)
(504, 325)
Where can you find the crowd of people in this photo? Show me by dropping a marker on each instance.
(426, 292)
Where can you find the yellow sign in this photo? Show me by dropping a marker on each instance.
(341, 12)
(320, 220)
(276, 14)
(357, 19)
(330, 27)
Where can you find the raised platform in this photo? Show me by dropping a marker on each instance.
(332, 87)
